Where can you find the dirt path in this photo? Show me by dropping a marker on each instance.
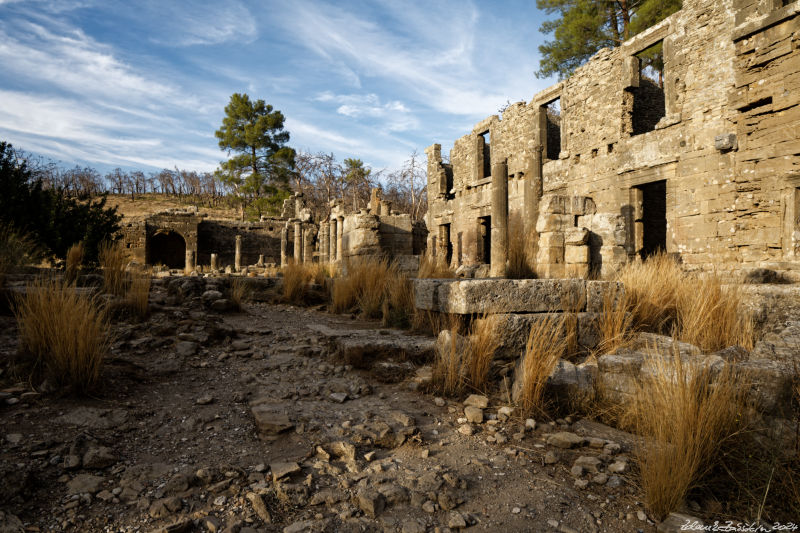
(251, 420)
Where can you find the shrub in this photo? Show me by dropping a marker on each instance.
(16, 249)
(74, 261)
(295, 281)
(63, 333)
(398, 307)
(363, 287)
(112, 261)
(684, 412)
(545, 346)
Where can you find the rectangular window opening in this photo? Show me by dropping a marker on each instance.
(552, 111)
(649, 102)
(487, 152)
(445, 243)
(484, 240)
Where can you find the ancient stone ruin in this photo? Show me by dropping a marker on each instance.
(182, 239)
(621, 159)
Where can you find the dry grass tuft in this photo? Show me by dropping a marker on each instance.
(74, 261)
(112, 261)
(64, 333)
(434, 267)
(295, 282)
(684, 412)
(239, 292)
(484, 340)
(710, 315)
(398, 307)
(546, 345)
(615, 323)
(695, 308)
(364, 287)
(520, 251)
(572, 302)
(138, 295)
(16, 249)
(449, 368)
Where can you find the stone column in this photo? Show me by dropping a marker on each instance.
(214, 262)
(237, 258)
(499, 253)
(284, 244)
(260, 260)
(532, 194)
(298, 242)
(189, 264)
(324, 243)
(339, 232)
(332, 240)
(308, 244)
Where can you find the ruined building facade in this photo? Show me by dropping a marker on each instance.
(619, 161)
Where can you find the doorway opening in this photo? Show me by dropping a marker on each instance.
(484, 240)
(168, 248)
(651, 224)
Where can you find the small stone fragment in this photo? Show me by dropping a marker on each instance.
(477, 400)
(473, 414)
(564, 439)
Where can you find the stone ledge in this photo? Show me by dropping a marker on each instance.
(478, 296)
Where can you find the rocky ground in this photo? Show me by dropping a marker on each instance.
(256, 421)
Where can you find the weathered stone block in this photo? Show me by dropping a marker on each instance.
(577, 270)
(550, 255)
(554, 222)
(554, 204)
(596, 294)
(576, 236)
(552, 270)
(576, 254)
(551, 239)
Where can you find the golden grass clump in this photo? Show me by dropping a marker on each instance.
(614, 323)
(239, 292)
(112, 261)
(434, 267)
(484, 340)
(398, 307)
(711, 315)
(695, 308)
(363, 287)
(520, 251)
(464, 362)
(295, 282)
(684, 413)
(65, 332)
(138, 295)
(74, 261)
(545, 346)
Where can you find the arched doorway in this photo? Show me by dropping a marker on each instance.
(166, 247)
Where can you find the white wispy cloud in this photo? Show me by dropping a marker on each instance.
(198, 22)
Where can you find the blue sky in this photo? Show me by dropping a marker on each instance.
(143, 84)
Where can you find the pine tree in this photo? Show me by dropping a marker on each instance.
(262, 164)
(585, 26)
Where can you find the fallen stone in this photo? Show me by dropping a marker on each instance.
(550, 458)
(84, 483)
(600, 479)
(473, 414)
(466, 429)
(164, 507)
(260, 508)
(504, 413)
(371, 502)
(564, 439)
(339, 397)
(343, 450)
(477, 400)
(99, 457)
(282, 470)
(456, 521)
(588, 463)
(186, 348)
(617, 467)
(270, 421)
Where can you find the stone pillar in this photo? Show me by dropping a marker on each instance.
(260, 260)
(499, 252)
(332, 240)
(386, 208)
(324, 242)
(189, 264)
(298, 242)
(532, 195)
(237, 258)
(214, 262)
(308, 244)
(339, 239)
(284, 244)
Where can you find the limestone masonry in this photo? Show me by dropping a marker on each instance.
(620, 161)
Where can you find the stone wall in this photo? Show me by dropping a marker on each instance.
(723, 155)
(258, 239)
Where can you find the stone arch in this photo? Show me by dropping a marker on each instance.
(166, 247)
